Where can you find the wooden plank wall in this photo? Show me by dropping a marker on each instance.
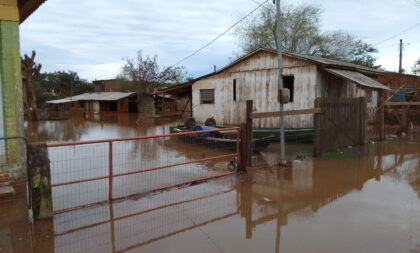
(256, 79)
(336, 87)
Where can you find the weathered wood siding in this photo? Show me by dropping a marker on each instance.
(256, 79)
(336, 87)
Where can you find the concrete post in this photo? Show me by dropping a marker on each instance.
(39, 180)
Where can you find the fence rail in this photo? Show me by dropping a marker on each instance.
(88, 173)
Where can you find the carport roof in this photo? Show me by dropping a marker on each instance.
(97, 96)
(357, 78)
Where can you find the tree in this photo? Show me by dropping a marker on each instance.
(60, 84)
(149, 75)
(342, 46)
(30, 71)
(416, 67)
(302, 35)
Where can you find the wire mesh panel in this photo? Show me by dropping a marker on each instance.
(373, 126)
(127, 225)
(87, 173)
(79, 174)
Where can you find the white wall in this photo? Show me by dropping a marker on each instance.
(256, 79)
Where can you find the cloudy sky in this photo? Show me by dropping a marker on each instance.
(92, 37)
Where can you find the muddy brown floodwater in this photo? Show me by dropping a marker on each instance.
(364, 199)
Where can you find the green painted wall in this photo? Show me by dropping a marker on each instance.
(11, 85)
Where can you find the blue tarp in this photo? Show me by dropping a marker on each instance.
(401, 94)
(205, 128)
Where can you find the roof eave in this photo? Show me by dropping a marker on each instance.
(27, 7)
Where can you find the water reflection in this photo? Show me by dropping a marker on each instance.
(367, 201)
(131, 224)
(94, 127)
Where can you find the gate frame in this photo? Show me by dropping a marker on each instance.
(247, 126)
(111, 174)
(363, 121)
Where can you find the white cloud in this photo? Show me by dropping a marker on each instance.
(92, 37)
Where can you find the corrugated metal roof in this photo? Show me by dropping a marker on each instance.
(357, 78)
(338, 64)
(316, 60)
(97, 96)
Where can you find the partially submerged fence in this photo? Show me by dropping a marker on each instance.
(402, 114)
(125, 226)
(345, 122)
(338, 123)
(93, 172)
(248, 140)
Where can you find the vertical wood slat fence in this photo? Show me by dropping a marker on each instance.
(347, 122)
(340, 124)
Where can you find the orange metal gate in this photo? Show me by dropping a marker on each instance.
(93, 172)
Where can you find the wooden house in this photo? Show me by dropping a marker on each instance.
(223, 94)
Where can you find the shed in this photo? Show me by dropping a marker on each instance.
(223, 94)
(182, 96)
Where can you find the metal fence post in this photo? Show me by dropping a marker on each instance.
(111, 174)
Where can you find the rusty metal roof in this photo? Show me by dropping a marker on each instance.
(97, 96)
(180, 90)
(357, 78)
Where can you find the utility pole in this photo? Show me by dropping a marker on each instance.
(400, 70)
(280, 80)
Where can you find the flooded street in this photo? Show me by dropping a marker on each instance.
(364, 199)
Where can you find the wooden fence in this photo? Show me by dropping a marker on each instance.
(401, 113)
(338, 123)
(246, 128)
(345, 122)
(341, 123)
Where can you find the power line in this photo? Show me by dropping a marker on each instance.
(396, 35)
(213, 40)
